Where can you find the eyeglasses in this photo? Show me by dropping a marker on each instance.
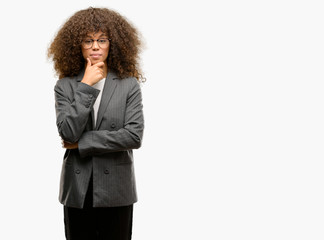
(102, 43)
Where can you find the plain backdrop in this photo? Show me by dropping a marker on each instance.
(233, 105)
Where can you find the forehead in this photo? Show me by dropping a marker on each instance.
(96, 34)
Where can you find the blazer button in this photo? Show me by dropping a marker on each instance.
(106, 171)
(77, 171)
(113, 125)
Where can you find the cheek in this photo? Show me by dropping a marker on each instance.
(85, 53)
(107, 52)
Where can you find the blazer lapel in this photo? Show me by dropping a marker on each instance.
(108, 90)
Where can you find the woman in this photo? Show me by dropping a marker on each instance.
(100, 120)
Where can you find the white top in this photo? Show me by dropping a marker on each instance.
(99, 85)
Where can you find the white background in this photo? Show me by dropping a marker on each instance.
(233, 104)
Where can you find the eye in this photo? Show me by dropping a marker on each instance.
(88, 41)
(103, 40)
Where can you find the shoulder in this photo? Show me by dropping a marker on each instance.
(128, 83)
(128, 86)
(65, 83)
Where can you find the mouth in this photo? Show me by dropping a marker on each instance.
(96, 55)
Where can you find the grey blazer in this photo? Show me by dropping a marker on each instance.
(104, 150)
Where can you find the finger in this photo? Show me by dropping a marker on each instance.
(101, 73)
(88, 62)
(99, 64)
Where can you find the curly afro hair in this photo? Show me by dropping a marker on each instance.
(125, 45)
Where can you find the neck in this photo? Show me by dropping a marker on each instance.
(105, 68)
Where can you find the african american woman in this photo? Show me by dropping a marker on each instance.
(99, 116)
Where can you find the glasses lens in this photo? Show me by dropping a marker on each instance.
(87, 43)
(103, 43)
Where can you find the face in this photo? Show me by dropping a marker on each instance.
(99, 50)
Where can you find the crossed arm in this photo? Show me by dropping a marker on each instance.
(68, 145)
(73, 116)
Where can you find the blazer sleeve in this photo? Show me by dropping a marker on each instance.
(128, 137)
(72, 113)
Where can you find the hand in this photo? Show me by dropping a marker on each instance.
(68, 145)
(93, 73)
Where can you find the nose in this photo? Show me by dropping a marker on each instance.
(95, 45)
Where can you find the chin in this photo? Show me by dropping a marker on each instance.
(94, 61)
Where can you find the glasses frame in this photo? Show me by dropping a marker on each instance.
(96, 40)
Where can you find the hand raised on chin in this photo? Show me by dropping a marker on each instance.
(93, 73)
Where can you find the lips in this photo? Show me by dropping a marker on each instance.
(95, 55)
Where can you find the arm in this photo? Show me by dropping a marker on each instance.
(72, 116)
(128, 137)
